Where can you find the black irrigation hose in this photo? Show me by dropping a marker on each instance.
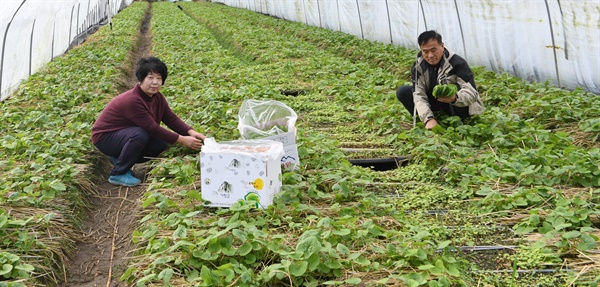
(381, 164)
(523, 271)
(483, 248)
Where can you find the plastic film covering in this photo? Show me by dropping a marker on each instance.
(34, 32)
(557, 41)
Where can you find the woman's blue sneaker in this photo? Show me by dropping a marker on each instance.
(124, 180)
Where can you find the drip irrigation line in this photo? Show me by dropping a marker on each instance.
(499, 226)
(483, 248)
(397, 195)
(522, 271)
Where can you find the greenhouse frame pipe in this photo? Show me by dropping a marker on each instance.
(337, 3)
(424, 18)
(362, 34)
(87, 15)
(387, 9)
(562, 19)
(319, 10)
(77, 25)
(53, 36)
(553, 43)
(71, 23)
(462, 34)
(4, 43)
(31, 46)
(304, 10)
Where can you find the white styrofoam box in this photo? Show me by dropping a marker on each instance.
(230, 171)
(290, 159)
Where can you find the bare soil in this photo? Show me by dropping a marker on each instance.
(102, 253)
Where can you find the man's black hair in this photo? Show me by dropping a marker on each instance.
(148, 65)
(428, 36)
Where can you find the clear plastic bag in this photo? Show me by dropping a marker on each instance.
(260, 119)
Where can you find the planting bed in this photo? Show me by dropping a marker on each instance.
(508, 199)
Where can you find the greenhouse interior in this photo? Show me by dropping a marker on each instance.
(300, 143)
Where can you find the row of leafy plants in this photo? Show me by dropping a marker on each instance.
(45, 163)
(375, 240)
(526, 169)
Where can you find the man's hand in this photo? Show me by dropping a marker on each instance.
(430, 124)
(447, 100)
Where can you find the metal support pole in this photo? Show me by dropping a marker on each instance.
(362, 35)
(319, 10)
(553, 44)
(387, 9)
(31, 47)
(462, 34)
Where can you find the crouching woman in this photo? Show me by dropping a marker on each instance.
(129, 129)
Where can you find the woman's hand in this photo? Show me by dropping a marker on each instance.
(190, 142)
(196, 134)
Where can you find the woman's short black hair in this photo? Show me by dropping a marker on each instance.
(428, 36)
(148, 65)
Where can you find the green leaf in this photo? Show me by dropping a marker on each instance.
(342, 232)
(180, 232)
(57, 185)
(206, 275)
(194, 194)
(298, 268)
(353, 281)
(308, 246)
(166, 275)
(241, 235)
(571, 234)
(6, 268)
(25, 267)
(342, 249)
(245, 249)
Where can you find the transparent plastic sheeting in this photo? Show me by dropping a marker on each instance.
(259, 119)
(537, 40)
(36, 31)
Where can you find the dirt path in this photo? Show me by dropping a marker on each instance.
(101, 254)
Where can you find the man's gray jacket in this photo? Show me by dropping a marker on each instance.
(452, 69)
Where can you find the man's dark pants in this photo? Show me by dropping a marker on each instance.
(130, 146)
(405, 95)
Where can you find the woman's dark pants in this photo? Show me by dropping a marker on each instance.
(130, 146)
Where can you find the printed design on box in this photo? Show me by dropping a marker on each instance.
(253, 197)
(232, 176)
(258, 183)
(235, 163)
(225, 187)
(287, 162)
